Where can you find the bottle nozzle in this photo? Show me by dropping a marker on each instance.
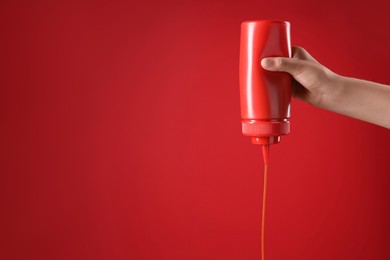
(265, 140)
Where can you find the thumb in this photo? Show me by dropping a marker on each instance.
(289, 65)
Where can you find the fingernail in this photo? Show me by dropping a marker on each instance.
(267, 63)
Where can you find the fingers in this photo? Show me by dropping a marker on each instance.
(290, 65)
(296, 65)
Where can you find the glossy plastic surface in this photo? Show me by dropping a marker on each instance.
(265, 96)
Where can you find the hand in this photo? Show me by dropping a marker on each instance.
(312, 81)
(317, 85)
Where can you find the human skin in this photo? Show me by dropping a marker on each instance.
(321, 87)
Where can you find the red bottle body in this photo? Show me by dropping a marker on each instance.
(265, 96)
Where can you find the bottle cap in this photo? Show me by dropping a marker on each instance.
(265, 132)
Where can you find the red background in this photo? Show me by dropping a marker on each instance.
(120, 135)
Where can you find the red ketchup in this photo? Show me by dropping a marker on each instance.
(265, 96)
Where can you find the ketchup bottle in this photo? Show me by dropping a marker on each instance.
(265, 95)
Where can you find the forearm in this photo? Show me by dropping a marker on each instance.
(360, 99)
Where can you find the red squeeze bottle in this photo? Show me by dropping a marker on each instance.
(265, 95)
